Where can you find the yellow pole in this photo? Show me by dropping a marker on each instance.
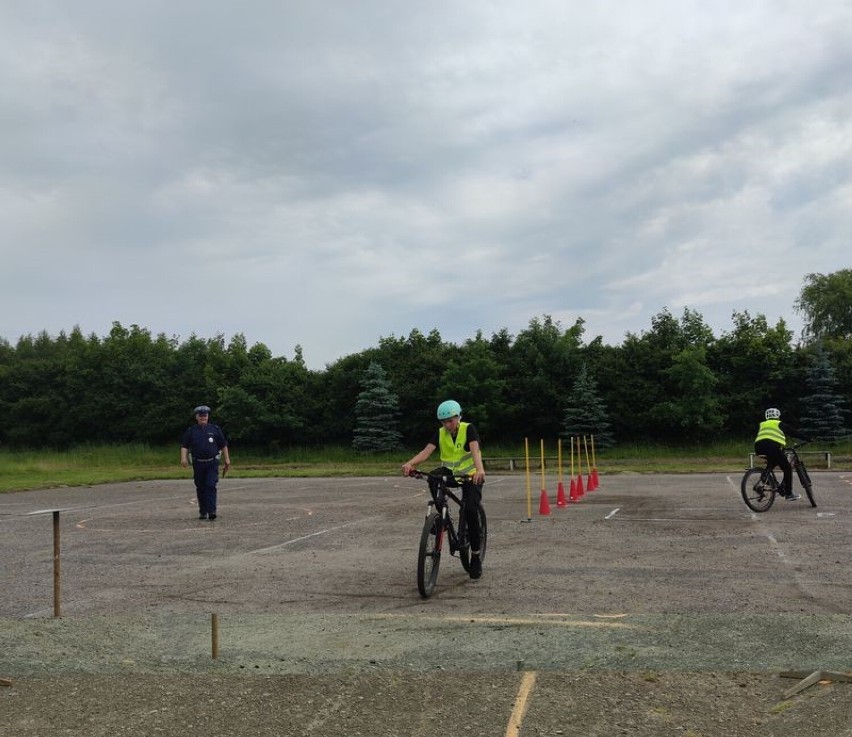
(559, 460)
(542, 465)
(594, 462)
(586, 446)
(529, 488)
(579, 458)
(572, 457)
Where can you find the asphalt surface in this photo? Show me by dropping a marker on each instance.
(315, 579)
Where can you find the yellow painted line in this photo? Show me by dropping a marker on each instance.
(549, 622)
(521, 703)
(610, 616)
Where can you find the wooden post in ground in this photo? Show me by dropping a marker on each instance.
(56, 567)
(214, 635)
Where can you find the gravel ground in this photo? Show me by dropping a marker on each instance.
(656, 606)
(392, 703)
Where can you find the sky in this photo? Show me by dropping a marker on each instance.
(325, 173)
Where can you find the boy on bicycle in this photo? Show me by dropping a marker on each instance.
(770, 442)
(461, 455)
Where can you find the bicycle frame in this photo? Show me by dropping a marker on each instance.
(440, 494)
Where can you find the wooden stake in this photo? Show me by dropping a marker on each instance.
(214, 635)
(810, 680)
(56, 571)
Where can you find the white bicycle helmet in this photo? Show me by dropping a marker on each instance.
(773, 413)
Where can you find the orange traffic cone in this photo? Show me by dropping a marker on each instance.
(580, 491)
(590, 482)
(572, 494)
(544, 504)
(561, 501)
(595, 477)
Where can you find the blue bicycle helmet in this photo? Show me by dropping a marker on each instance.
(448, 409)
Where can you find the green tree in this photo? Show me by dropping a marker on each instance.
(823, 410)
(541, 363)
(692, 406)
(826, 305)
(755, 367)
(585, 412)
(263, 400)
(475, 380)
(415, 366)
(655, 396)
(376, 413)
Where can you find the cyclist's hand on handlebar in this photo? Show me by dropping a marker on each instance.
(408, 469)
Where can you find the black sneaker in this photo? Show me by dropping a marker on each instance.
(792, 496)
(211, 516)
(203, 515)
(475, 566)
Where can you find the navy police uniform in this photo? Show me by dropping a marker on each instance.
(205, 443)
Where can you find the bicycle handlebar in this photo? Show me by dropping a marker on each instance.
(421, 475)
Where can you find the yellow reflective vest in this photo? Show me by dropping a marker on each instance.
(771, 430)
(453, 454)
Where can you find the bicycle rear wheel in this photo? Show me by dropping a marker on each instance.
(464, 551)
(805, 478)
(429, 555)
(758, 494)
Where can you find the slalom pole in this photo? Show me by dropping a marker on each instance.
(529, 487)
(560, 487)
(572, 493)
(594, 464)
(590, 482)
(543, 503)
(580, 490)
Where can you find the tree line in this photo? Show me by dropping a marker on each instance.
(674, 382)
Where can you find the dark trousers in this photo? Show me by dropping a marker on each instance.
(776, 456)
(471, 499)
(206, 476)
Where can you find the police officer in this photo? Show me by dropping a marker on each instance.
(205, 442)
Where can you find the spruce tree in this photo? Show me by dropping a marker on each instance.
(585, 412)
(376, 414)
(823, 410)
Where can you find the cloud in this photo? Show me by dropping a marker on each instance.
(326, 174)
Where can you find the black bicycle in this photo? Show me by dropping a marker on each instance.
(439, 526)
(760, 484)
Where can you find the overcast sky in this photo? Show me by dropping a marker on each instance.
(327, 172)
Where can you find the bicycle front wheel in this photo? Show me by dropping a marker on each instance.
(805, 478)
(758, 493)
(429, 555)
(464, 551)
